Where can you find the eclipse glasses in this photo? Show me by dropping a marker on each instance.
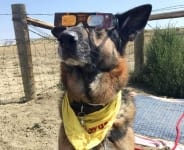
(89, 20)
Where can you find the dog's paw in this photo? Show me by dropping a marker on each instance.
(116, 134)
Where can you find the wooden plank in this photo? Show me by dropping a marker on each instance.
(24, 49)
(39, 23)
(167, 15)
(139, 53)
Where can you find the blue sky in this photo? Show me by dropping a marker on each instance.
(49, 7)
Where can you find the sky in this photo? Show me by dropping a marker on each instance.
(45, 9)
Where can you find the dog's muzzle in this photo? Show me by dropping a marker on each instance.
(74, 47)
(68, 37)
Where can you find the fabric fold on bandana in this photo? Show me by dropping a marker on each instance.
(94, 126)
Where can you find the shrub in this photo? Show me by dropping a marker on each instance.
(164, 68)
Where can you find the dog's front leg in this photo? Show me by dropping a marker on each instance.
(64, 144)
(122, 134)
(122, 142)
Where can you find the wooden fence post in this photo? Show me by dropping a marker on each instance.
(139, 52)
(24, 49)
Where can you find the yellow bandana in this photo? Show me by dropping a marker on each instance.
(94, 127)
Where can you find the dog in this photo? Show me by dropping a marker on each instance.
(94, 71)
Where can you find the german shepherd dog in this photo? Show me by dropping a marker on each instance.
(94, 70)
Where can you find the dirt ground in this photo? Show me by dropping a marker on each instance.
(30, 126)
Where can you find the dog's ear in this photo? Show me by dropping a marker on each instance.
(56, 31)
(133, 21)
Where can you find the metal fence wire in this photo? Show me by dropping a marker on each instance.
(45, 69)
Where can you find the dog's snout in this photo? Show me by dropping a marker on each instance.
(68, 37)
(74, 46)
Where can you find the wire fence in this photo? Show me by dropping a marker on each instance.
(11, 80)
(45, 68)
(45, 64)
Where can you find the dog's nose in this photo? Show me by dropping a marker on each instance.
(68, 37)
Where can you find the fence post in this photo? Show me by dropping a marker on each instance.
(24, 49)
(139, 52)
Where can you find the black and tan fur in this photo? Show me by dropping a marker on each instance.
(94, 69)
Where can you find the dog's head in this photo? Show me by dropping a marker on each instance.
(99, 49)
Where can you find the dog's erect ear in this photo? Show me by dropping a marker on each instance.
(56, 31)
(133, 21)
